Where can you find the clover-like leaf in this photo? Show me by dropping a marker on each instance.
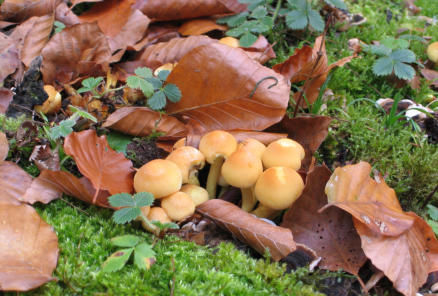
(128, 240)
(259, 12)
(433, 212)
(163, 226)
(315, 20)
(172, 92)
(403, 55)
(143, 199)
(144, 256)
(118, 141)
(296, 20)
(137, 82)
(126, 215)
(82, 113)
(380, 50)
(383, 66)
(121, 200)
(404, 71)
(157, 101)
(117, 260)
(63, 129)
(337, 3)
(90, 84)
(143, 72)
(162, 75)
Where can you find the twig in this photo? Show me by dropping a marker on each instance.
(429, 197)
(260, 81)
(277, 9)
(73, 206)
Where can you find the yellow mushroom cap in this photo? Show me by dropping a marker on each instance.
(188, 159)
(432, 52)
(197, 193)
(160, 177)
(242, 168)
(217, 143)
(230, 41)
(53, 102)
(278, 187)
(178, 206)
(180, 143)
(283, 152)
(158, 214)
(255, 146)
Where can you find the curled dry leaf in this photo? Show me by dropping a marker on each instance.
(29, 249)
(430, 75)
(31, 37)
(4, 147)
(65, 15)
(14, 182)
(370, 201)
(45, 158)
(249, 229)
(159, 10)
(199, 27)
(172, 51)
(404, 258)
(261, 50)
(142, 121)
(331, 234)
(76, 2)
(78, 51)
(222, 88)
(9, 58)
(105, 168)
(6, 96)
(20, 10)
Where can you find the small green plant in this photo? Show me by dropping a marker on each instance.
(432, 220)
(58, 26)
(130, 209)
(394, 57)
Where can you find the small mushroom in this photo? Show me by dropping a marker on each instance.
(432, 52)
(277, 189)
(255, 146)
(283, 152)
(242, 169)
(216, 147)
(197, 193)
(160, 177)
(180, 143)
(158, 214)
(53, 102)
(189, 160)
(178, 206)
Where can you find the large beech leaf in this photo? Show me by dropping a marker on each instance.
(370, 201)
(14, 182)
(31, 37)
(172, 51)
(404, 259)
(4, 147)
(217, 81)
(105, 168)
(78, 51)
(142, 121)
(9, 57)
(331, 234)
(160, 10)
(29, 249)
(257, 233)
(19, 10)
(199, 27)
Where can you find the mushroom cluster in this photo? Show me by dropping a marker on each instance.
(266, 176)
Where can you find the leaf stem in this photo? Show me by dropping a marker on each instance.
(149, 226)
(277, 9)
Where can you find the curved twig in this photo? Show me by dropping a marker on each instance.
(260, 81)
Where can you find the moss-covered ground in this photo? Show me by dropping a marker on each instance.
(404, 156)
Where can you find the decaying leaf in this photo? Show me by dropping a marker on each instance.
(105, 168)
(257, 233)
(29, 249)
(76, 2)
(370, 201)
(20, 10)
(14, 182)
(4, 147)
(261, 50)
(430, 75)
(65, 15)
(199, 27)
(6, 96)
(142, 121)
(222, 88)
(9, 58)
(78, 51)
(331, 234)
(45, 158)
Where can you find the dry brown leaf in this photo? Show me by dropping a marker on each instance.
(142, 121)
(403, 258)
(45, 158)
(257, 233)
(217, 81)
(6, 96)
(31, 37)
(370, 201)
(170, 52)
(4, 147)
(261, 50)
(78, 51)
(106, 169)
(159, 10)
(29, 249)
(65, 15)
(76, 2)
(20, 10)
(9, 57)
(14, 182)
(331, 234)
(431, 76)
(199, 27)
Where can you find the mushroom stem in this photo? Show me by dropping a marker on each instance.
(193, 178)
(213, 176)
(263, 211)
(149, 226)
(248, 199)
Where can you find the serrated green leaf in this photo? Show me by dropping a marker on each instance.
(143, 72)
(172, 92)
(432, 211)
(126, 215)
(267, 21)
(140, 83)
(247, 39)
(337, 3)
(121, 200)
(315, 20)
(380, 50)
(163, 74)
(91, 82)
(403, 55)
(236, 32)
(383, 66)
(296, 20)
(128, 240)
(82, 113)
(259, 28)
(63, 129)
(234, 20)
(298, 4)
(156, 83)
(58, 26)
(118, 141)
(143, 199)
(117, 260)
(157, 101)
(144, 256)
(404, 71)
(163, 226)
(413, 37)
(259, 12)
(434, 225)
